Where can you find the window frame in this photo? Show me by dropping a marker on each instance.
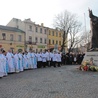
(3, 36)
(36, 39)
(40, 30)
(30, 39)
(19, 38)
(41, 40)
(11, 37)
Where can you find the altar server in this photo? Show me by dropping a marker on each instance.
(54, 58)
(44, 59)
(49, 58)
(58, 59)
(39, 59)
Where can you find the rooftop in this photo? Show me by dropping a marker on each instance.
(11, 29)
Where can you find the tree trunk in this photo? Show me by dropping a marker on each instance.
(63, 44)
(70, 48)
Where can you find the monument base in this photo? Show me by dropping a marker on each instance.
(93, 55)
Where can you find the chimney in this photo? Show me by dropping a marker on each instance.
(42, 24)
(28, 19)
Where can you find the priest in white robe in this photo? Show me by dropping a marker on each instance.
(2, 73)
(29, 56)
(5, 63)
(25, 61)
(35, 60)
(20, 60)
(10, 60)
(16, 62)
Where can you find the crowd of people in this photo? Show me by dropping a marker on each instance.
(20, 61)
(72, 58)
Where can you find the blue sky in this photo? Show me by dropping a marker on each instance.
(44, 11)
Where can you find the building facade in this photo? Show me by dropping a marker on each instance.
(54, 38)
(11, 38)
(36, 35)
(41, 40)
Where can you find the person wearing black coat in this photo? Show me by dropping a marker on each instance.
(63, 58)
(67, 59)
(71, 58)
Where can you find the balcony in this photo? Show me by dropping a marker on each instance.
(30, 42)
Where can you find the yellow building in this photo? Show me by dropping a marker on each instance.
(12, 38)
(54, 38)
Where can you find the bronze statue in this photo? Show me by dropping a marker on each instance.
(94, 30)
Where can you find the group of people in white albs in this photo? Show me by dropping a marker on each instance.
(20, 61)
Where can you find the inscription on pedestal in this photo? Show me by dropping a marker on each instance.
(93, 55)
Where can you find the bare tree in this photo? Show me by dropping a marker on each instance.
(70, 25)
(86, 39)
(75, 36)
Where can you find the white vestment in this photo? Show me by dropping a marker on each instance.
(39, 56)
(54, 57)
(29, 56)
(20, 61)
(1, 66)
(49, 56)
(35, 61)
(16, 62)
(58, 57)
(25, 61)
(44, 57)
(10, 59)
(5, 65)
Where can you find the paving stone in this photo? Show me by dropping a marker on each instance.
(60, 82)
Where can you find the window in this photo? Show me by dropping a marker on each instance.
(49, 32)
(40, 50)
(19, 37)
(56, 33)
(36, 39)
(36, 29)
(40, 40)
(45, 41)
(60, 35)
(16, 20)
(36, 50)
(3, 36)
(49, 41)
(11, 37)
(53, 33)
(56, 42)
(17, 26)
(40, 30)
(52, 41)
(59, 42)
(30, 38)
(30, 27)
(45, 31)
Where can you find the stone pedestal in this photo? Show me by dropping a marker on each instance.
(93, 55)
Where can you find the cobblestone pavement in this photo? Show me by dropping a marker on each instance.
(60, 82)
